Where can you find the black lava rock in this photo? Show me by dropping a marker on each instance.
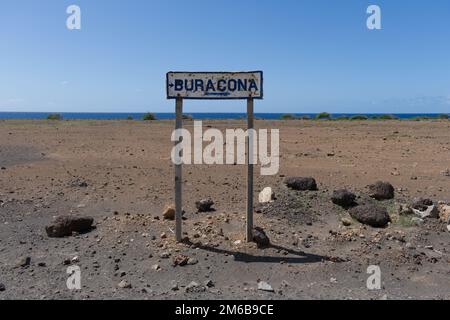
(204, 205)
(301, 183)
(371, 215)
(65, 226)
(343, 198)
(260, 238)
(381, 190)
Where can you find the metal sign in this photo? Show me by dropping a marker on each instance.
(215, 85)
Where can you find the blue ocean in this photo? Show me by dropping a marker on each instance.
(162, 116)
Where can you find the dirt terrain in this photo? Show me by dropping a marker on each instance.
(120, 173)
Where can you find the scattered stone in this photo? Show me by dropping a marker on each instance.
(301, 183)
(75, 259)
(164, 255)
(121, 273)
(194, 287)
(445, 213)
(42, 264)
(192, 261)
(204, 205)
(346, 222)
(124, 284)
(405, 210)
(422, 204)
(82, 184)
(371, 215)
(431, 212)
(192, 284)
(381, 190)
(264, 286)
(417, 221)
(343, 198)
(174, 286)
(448, 228)
(23, 262)
(169, 212)
(425, 208)
(64, 226)
(180, 260)
(267, 195)
(260, 238)
(209, 283)
(446, 173)
(408, 245)
(156, 267)
(2, 287)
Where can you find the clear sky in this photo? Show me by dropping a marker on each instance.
(316, 55)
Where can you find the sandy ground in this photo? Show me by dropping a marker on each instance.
(126, 166)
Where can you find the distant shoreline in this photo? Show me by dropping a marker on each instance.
(222, 116)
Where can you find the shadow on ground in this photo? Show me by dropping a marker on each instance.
(301, 257)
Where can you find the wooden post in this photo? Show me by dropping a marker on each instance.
(249, 170)
(178, 176)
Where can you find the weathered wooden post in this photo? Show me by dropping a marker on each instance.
(178, 175)
(250, 161)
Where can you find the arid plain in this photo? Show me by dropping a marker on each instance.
(120, 173)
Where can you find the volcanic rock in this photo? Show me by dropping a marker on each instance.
(65, 226)
(180, 260)
(204, 205)
(422, 204)
(124, 284)
(301, 183)
(267, 195)
(381, 190)
(260, 238)
(264, 286)
(23, 262)
(371, 215)
(169, 212)
(343, 198)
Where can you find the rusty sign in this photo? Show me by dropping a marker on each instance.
(215, 85)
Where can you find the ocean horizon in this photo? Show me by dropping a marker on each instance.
(194, 115)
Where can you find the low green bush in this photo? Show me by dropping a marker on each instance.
(323, 116)
(387, 117)
(54, 116)
(341, 118)
(287, 117)
(149, 117)
(359, 117)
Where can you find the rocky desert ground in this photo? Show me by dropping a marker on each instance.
(120, 174)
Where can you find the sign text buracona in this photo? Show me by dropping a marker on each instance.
(215, 85)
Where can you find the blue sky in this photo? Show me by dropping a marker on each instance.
(316, 55)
